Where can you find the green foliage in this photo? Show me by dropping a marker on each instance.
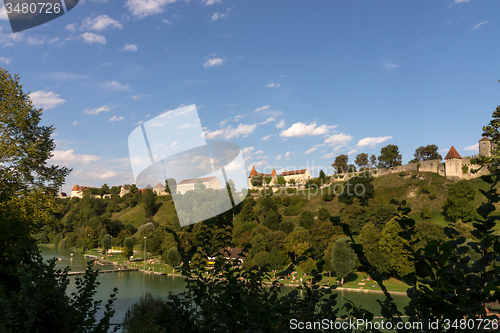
(310, 266)
(292, 210)
(281, 180)
(393, 246)
(199, 186)
(323, 214)
(327, 197)
(149, 314)
(268, 179)
(389, 156)
(33, 294)
(277, 260)
(128, 248)
(343, 258)
(429, 152)
(426, 213)
(362, 160)
(173, 257)
(459, 203)
(418, 166)
(106, 243)
(306, 220)
(360, 188)
(465, 169)
(340, 164)
(287, 227)
(272, 219)
(403, 174)
(171, 186)
(322, 175)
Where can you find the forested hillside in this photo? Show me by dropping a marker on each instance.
(283, 225)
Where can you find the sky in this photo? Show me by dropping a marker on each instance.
(293, 83)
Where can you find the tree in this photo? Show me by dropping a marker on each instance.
(33, 292)
(277, 260)
(429, 152)
(362, 160)
(323, 214)
(394, 248)
(106, 244)
(373, 161)
(149, 200)
(340, 163)
(172, 182)
(389, 156)
(306, 219)
(322, 176)
(104, 189)
(128, 249)
(272, 220)
(173, 258)
(360, 188)
(459, 205)
(343, 258)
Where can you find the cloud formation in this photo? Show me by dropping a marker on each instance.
(69, 158)
(213, 62)
(100, 23)
(339, 140)
(129, 47)
(262, 108)
(479, 24)
(273, 85)
(113, 85)
(46, 100)
(143, 8)
(115, 118)
(91, 38)
(474, 147)
(105, 108)
(300, 129)
(372, 142)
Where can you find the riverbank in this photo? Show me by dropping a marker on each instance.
(357, 281)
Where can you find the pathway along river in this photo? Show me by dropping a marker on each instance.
(132, 285)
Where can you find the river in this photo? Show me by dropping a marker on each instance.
(132, 285)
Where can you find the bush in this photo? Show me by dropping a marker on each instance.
(426, 189)
(465, 169)
(291, 211)
(327, 197)
(403, 174)
(426, 213)
(433, 195)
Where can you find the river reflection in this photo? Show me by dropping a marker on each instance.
(132, 285)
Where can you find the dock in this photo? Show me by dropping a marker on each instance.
(118, 270)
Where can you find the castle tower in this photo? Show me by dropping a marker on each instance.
(485, 147)
(453, 164)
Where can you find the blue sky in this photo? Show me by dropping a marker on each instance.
(293, 83)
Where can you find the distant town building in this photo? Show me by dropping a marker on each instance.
(298, 176)
(124, 190)
(77, 191)
(189, 184)
(159, 189)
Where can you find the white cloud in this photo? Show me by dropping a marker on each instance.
(100, 23)
(167, 21)
(351, 152)
(5, 60)
(238, 117)
(479, 24)
(90, 38)
(129, 47)
(314, 148)
(213, 62)
(138, 97)
(100, 174)
(287, 155)
(389, 66)
(64, 76)
(277, 158)
(229, 132)
(212, 2)
(69, 158)
(71, 27)
(459, 1)
(474, 147)
(273, 85)
(330, 155)
(36, 40)
(281, 124)
(217, 16)
(268, 120)
(299, 129)
(340, 140)
(266, 137)
(115, 118)
(139, 122)
(75, 122)
(46, 100)
(113, 85)
(143, 8)
(372, 142)
(262, 108)
(105, 108)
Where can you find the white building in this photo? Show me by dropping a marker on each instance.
(189, 184)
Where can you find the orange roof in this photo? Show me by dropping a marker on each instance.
(76, 188)
(191, 181)
(484, 139)
(453, 153)
(159, 185)
(273, 173)
(296, 172)
(253, 172)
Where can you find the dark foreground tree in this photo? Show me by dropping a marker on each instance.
(459, 205)
(32, 292)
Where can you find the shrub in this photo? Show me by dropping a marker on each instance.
(465, 169)
(291, 211)
(327, 197)
(402, 174)
(433, 195)
(426, 213)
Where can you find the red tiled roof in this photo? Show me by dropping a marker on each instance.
(484, 139)
(191, 181)
(273, 173)
(253, 172)
(453, 153)
(76, 188)
(229, 253)
(295, 172)
(141, 190)
(159, 185)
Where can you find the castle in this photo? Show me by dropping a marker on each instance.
(455, 167)
(297, 176)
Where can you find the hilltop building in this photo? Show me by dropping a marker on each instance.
(188, 184)
(299, 176)
(159, 189)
